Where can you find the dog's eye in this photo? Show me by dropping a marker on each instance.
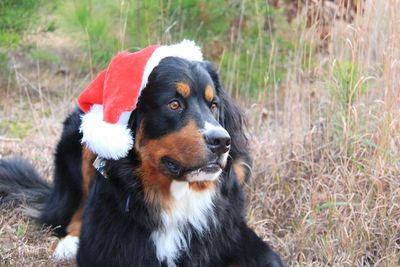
(214, 107)
(174, 105)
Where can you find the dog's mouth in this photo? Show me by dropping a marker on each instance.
(210, 168)
(209, 172)
(205, 172)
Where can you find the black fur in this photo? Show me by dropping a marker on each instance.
(21, 183)
(117, 220)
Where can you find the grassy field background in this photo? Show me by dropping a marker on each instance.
(318, 80)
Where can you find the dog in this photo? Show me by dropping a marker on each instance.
(174, 199)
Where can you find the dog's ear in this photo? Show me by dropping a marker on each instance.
(232, 119)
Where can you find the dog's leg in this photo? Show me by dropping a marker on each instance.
(256, 253)
(68, 246)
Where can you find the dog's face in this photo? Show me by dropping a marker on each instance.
(178, 134)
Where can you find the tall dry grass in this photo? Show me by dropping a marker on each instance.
(326, 144)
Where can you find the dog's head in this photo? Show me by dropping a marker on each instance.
(185, 126)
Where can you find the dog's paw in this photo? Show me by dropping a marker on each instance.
(273, 260)
(67, 248)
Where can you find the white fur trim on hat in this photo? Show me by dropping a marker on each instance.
(186, 49)
(112, 141)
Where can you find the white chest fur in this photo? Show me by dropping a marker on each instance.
(189, 208)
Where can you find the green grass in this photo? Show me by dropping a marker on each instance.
(348, 83)
(15, 128)
(21, 230)
(235, 34)
(16, 17)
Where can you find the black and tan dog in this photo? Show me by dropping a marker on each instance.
(174, 200)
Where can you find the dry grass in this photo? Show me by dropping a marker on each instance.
(326, 185)
(326, 146)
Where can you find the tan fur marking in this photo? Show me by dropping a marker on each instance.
(185, 146)
(202, 186)
(88, 171)
(239, 169)
(74, 226)
(209, 93)
(183, 89)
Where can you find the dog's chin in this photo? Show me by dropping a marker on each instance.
(209, 171)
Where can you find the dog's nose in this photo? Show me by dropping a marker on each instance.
(218, 141)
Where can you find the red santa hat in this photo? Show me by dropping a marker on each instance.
(109, 100)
